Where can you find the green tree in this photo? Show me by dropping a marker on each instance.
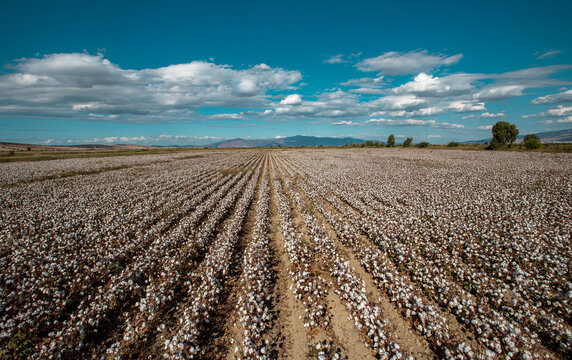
(531, 142)
(503, 134)
(391, 140)
(453, 144)
(423, 144)
(407, 142)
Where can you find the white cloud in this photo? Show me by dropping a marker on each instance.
(86, 87)
(462, 106)
(293, 99)
(499, 92)
(414, 122)
(347, 123)
(247, 87)
(548, 54)
(75, 85)
(566, 120)
(535, 73)
(485, 127)
(394, 63)
(231, 116)
(433, 86)
(428, 111)
(364, 81)
(163, 139)
(239, 116)
(560, 111)
(489, 115)
(398, 102)
(468, 117)
(565, 96)
(261, 66)
(328, 105)
(336, 59)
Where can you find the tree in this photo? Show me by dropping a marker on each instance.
(391, 140)
(531, 142)
(423, 144)
(453, 144)
(407, 142)
(503, 134)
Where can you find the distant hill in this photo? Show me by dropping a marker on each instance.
(293, 141)
(560, 136)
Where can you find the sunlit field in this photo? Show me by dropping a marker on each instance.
(271, 254)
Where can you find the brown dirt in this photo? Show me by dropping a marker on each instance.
(346, 332)
(409, 339)
(289, 336)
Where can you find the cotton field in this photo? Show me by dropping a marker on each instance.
(300, 254)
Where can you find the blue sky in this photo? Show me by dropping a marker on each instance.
(193, 72)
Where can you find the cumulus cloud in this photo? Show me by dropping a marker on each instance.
(412, 106)
(75, 85)
(163, 139)
(394, 63)
(463, 106)
(367, 85)
(398, 102)
(432, 86)
(336, 59)
(496, 93)
(230, 116)
(293, 99)
(364, 81)
(499, 86)
(88, 87)
(428, 111)
(565, 120)
(414, 122)
(348, 123)
(333, 104)
(485, 127)
(238, 116)
(489, 115)
(560, 110)
(562, 97)
(120, 139)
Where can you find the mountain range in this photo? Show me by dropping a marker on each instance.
(300, 140)
(292, 141)
(561, 136)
